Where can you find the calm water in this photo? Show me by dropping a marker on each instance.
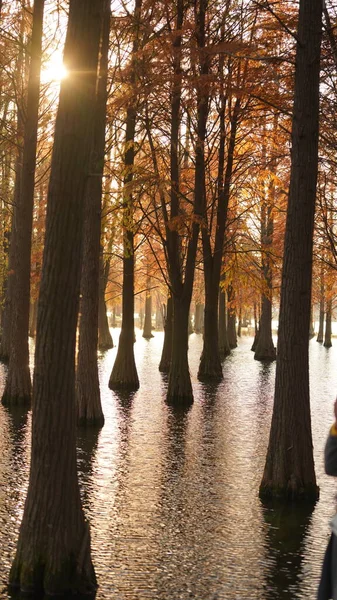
(172, 498)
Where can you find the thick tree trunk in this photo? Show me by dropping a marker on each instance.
(18, 383)
(265, 349)
(210, 363)
(180, 387)
(88, 397)
(199, 318)
(53, 552)
(6, 320)
(224, 347)
(104, 336)
(289, 471)
(327, 334)
(165, 361)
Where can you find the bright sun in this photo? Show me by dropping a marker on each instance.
(53, 70)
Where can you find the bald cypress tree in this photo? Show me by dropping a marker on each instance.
(53, 551)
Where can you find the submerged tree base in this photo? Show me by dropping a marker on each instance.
(179, 401)
(18, 389)
(265, 354)
(289, 493)
(210, 370)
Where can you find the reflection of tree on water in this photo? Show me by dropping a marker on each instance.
(286, 531)
(173, 505)
(87, 440)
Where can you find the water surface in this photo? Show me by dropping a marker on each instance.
(172, 496)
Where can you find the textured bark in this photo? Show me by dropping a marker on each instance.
(210, 364)
(165, 361)
(18, 382)
(327, 333)
(53, 551)
(180, 387)
(104, 336)
(6, 321)
(224, 347)
(88, 397)
(199, 318)
(311, 325)
(320, 333)
(147, 329)
(231, 319)
(289, 471)
(124, 373)
(264, 346)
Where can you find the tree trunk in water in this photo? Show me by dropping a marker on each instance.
(53, 551)
(104, 336)
(124, 373)
(240, 322)
(199, 318)
(311, 326)
(265, 349)
(88, 396)
(165, 361)
(147, 330)
(6, 321)
(210, 364)
(321, 322)
(328, 319)
(180, 387)
(18, 384)
(224, 347)
(289, 471)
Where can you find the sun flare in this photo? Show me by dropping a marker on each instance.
(53, 70)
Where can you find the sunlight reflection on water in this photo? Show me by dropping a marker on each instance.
(172, 496)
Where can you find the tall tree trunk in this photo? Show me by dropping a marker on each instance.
(147, 330)
(231, 318)
(321, 321)
(7, 311)
(124, 373)
(289, 470)
(327, 334)
(104, 336)
(180, 386)
(18, 384)
(199, 318)
(88, 397)
(53, 551)
(165, 361)
(265, 349)
(311, 324)
(224, 347)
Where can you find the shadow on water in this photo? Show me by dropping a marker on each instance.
(287, 527)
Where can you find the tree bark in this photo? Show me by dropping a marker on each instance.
(147, 329)
(199, 318)
(328, 318)
(89, 407)
(124, 373)
(289, 471)
(104, 336)
(53, 551)
(180, 386)
(320, 333)
(224, 347)
(166, 356)
(18, 384)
